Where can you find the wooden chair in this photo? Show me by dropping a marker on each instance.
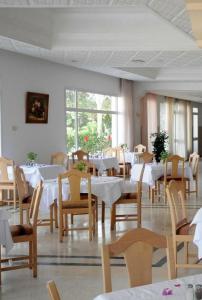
(181, 231)
(140, 148)
(194, 164)
(147, 157)
(80, 155)
(7, 185)
(52, 290)
(75, 205)
(129, 198)
(173, 170)
(137, 247)
(26, 233)
(23, 193)
(60, 158)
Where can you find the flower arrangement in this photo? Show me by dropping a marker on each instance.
(124, 146)
(31, 158)
(80, 166)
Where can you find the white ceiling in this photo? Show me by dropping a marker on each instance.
(141, 40)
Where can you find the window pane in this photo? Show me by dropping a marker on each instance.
(94, 131)
(195, 110)
(96, 101)
(70, 99)
(195, 146)
(195, 126)
(71, 131)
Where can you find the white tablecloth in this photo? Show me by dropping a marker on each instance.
(198, 231)
(105, 163)
(108, 189)
(34, 174)
(154, 291)
(5, 234)
(153, 172)
(132, 157)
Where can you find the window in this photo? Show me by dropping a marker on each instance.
(195, 128)
(91, 121)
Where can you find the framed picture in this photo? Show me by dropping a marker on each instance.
(36, 108)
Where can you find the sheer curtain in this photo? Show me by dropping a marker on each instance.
(182, 128)
(125, 118)
(152, 118)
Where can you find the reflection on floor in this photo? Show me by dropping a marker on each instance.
(75, 264)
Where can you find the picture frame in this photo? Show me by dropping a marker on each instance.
(36, 110)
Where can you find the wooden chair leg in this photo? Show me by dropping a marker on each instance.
(34, 249)
(196, 187)
(72, 219)
(61, 227)
(51, 218)
(90, 226)
(21, 215)
(0, 265)
(30, 255)
(66, 223)
(103, 211)
(186, 258)
(139, 216)
(113, 216)
(27, 215)
(56, 213)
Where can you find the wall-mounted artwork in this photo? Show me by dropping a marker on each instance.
(36, 108)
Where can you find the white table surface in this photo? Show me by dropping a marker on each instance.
(108, 189)
(105, 163)
(154, 291)
(5, 234)
(153, 172)
(132, 157)
(197, 240)
(34, 174)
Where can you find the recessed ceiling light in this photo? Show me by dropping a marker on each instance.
(74, 61)
(140, 61)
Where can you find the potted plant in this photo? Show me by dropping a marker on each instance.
(159, 143)
(164, 156)
(31, 158)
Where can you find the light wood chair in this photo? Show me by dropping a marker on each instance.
(23, 194)
(129, 198)
(60, 158)
(75, 205)
(194, 164)
(79, 155)
(137, 247)
(140, 148)
(173, 170)
(181, 231)
(26, 233)
(7, 186)
(146, 157)
(52, 290)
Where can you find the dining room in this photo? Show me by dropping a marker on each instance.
(100, 149)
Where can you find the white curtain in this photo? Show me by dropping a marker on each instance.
(125, 118)
(152, 119)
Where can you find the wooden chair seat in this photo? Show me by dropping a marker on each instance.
(27, 200)
(19, 230)
(127, 196)
(76, 204)
(183, 227)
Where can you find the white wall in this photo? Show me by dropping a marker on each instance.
(20, 74)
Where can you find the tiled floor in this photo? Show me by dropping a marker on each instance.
(75, 264)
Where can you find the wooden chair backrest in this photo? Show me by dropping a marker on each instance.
(74, 178)
(194, 162)
(173, 165)
(175, 195)
(137, 248)
(120, 155)
(60, 158)
(52, 290)
(90, 167)
(140, 148)
(34, 209)
(80, 155)
(147, 157)
(139, 182)
(21, 183)
(4, 164)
